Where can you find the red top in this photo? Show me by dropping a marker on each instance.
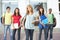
(16, 19)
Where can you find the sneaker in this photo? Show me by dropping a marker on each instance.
(51, 39)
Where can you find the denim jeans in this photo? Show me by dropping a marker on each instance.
(6, 28)
(45, 33)
(50, 27)
(29, 34)
(14, 32)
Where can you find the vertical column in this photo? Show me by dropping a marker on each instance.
(0, 8)
(0, 11)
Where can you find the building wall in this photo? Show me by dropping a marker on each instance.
(23, 3)
(50, 4)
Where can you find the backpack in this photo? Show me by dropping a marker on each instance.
(1, 19)
(54, 21)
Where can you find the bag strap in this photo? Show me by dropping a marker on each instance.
(53, 15)
(54, 18)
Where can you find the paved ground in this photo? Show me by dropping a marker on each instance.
(56, 34)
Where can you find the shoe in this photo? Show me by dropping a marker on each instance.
(51, 39)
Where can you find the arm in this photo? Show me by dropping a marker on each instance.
(3, 18)
(23, 22)
(24, 19)
(41, 22)
(36, 19)
(12, 23)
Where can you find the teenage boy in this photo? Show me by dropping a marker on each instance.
(6, 20)
(50, 24)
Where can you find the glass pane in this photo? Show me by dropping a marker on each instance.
(37, 5)
(59, 6)
(59, 0)
(12, 5)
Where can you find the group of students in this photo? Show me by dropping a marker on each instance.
(28, 23)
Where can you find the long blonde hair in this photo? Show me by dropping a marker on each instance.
(27, 11)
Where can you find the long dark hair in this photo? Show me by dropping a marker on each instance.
(18, 12)
(40, 11)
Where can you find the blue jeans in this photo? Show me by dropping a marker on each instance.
(29, 34)
(6, 28)
(14, 33)
(45, 33)
(50, 27)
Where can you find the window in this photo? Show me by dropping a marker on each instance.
(37, 4)
(12, 3)
(59, 0)
(59, 6)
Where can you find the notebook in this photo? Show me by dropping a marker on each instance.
(45, 21)
(15, 26)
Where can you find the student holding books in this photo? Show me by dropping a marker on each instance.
(16, 20)
(43, 21)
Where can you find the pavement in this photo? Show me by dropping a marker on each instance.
(56, 34)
